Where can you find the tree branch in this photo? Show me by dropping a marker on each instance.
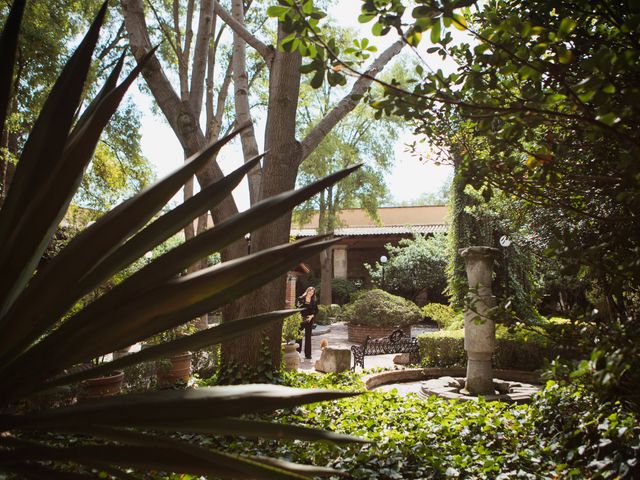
(264, 50)
(349, 102)
(200, 54)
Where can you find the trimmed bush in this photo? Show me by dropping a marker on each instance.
(442, 349)
(443, 315)
(379, 308)
(514, 351)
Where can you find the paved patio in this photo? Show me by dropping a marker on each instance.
(337, 337)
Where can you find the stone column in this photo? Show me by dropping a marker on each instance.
(340, 261)
(479, 330)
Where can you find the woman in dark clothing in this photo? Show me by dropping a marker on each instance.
(307, 302)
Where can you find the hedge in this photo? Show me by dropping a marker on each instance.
(513, 351)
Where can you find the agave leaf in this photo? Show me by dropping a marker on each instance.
(256, 428)
(221, 235)
(311, 470)
(8, 46)
(241, 464)
(43, 151)
(108, 86)
(196, 341)
(37, 471)
(43, 213)
(29, 319)
(166, 226)
(173, 303)
(145, 458)
(210, 241)
(152, 409)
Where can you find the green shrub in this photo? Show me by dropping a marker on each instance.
(327, 314)
(356, 295)
(322, 317)
(442, 349)
(341, 290)
(291, 327)
(379, 308)
(456, 322)
(514, 351)
(443, 315)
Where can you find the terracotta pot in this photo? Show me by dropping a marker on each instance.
(103, 386)
(291, 356)
(175, 369)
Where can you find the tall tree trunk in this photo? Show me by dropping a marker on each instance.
(280, 168)
(326, 275)
(325, 226)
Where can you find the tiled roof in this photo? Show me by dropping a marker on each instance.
(372, 230)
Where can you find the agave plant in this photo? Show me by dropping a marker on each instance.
(40, 342)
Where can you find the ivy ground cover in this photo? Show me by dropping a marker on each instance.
(412, 438)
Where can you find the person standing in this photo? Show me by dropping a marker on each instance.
(307, 301)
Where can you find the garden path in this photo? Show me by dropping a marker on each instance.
(337, 337)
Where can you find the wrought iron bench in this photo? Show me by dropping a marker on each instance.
(397, 342)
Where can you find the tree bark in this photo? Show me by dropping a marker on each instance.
(279, 173)
(241, 91)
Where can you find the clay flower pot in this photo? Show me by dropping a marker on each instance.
(175, 369)
(103, 386)
(291, 357)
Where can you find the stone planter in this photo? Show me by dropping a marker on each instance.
(291, 356)
(103, 386)
(358, 333)
(175, 369)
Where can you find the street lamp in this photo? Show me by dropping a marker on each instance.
(383, 260)
(505, 242)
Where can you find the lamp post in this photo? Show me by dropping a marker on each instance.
(383, 260)
(505, 242)
(247, 239)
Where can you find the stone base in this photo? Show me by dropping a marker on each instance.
(334, 360)
(453, 388)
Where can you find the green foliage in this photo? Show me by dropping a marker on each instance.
(514, 351)
(335, 309)
(118, 169)
(414, 265)
(341, 290)
(411, 437)
(587, 436)
(335, 381)
(327, 314)
(443, 315)
(291, 327)
(322, 317)
(379, 308)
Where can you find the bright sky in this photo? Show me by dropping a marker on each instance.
(409, 178)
